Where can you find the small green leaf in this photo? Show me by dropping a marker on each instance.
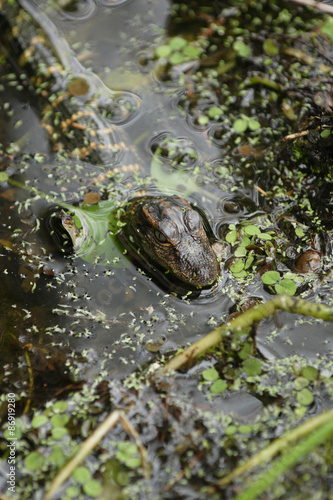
(231, 237)
(252, 230)
(299, 232)
(265, 236)
(325, 133)
(192, 52)
(60, 406)
(177, 42)
(4, 177)
(270, 277)
(286, 286)
(176, 58)
(163, 51)
(82, 474)
(237, 266)
(240, 125)
(73, 491)
(203, 120)
(92, 488)
(210, 374)
(310, 373)
(252, 366)
(59, 420)
(218, 386)
(38, 421)
(240, 252)
(305, 397)
(270, 47)
(215, 112)
(300, 383)
(59, 432)
(242, 49)
(327, 28)
(34, 461)
(253, 124)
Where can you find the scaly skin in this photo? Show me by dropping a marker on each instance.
(167, 232)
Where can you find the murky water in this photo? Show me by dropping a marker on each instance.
(112, 315)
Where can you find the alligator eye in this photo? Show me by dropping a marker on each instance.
(160, 236)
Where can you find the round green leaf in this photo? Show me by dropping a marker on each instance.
(305, 397)
(60, 406)
(34, 461)
(177, 42)
(210, 374)
(242, 49)
(286, 286)
(253, 124)
(82, 475)
(237, 266)
(3, 177)
(252, 230)
(240, 252)
(72, 491)
(270, 277)
(92, 488)
(252, 366)
(38, 421)
(231, 237)
(59, 432)
(218, 386)
(270, 47)
(59, 420)
(300, 383)
(310, 373)
(176, 58)
(163, 51)
(240, 125)
(215, 112)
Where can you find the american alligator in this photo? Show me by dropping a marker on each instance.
(161, 231)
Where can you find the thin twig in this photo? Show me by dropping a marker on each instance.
(323, 7)
(245, 320)
(89, 444)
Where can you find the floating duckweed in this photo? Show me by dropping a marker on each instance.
(270, 47)
(218, 386)
(305, 397)
(38, 421)
(72, 491)
(270, 277)
(126, 454)
(34, 461)
(60, 407)
(252, 366)
(241, 48)
(82, 474)
(252, 230)
(92, 488)
(300, 383)
(310, 373)
(59, 420)
(231, 237)
(59, 432)
(210, 374)
(286, 286)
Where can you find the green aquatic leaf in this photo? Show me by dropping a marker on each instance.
(92, 229)
(270, 277)
(286, 286)
(210, 374)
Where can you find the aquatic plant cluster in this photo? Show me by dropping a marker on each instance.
(248, 413)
